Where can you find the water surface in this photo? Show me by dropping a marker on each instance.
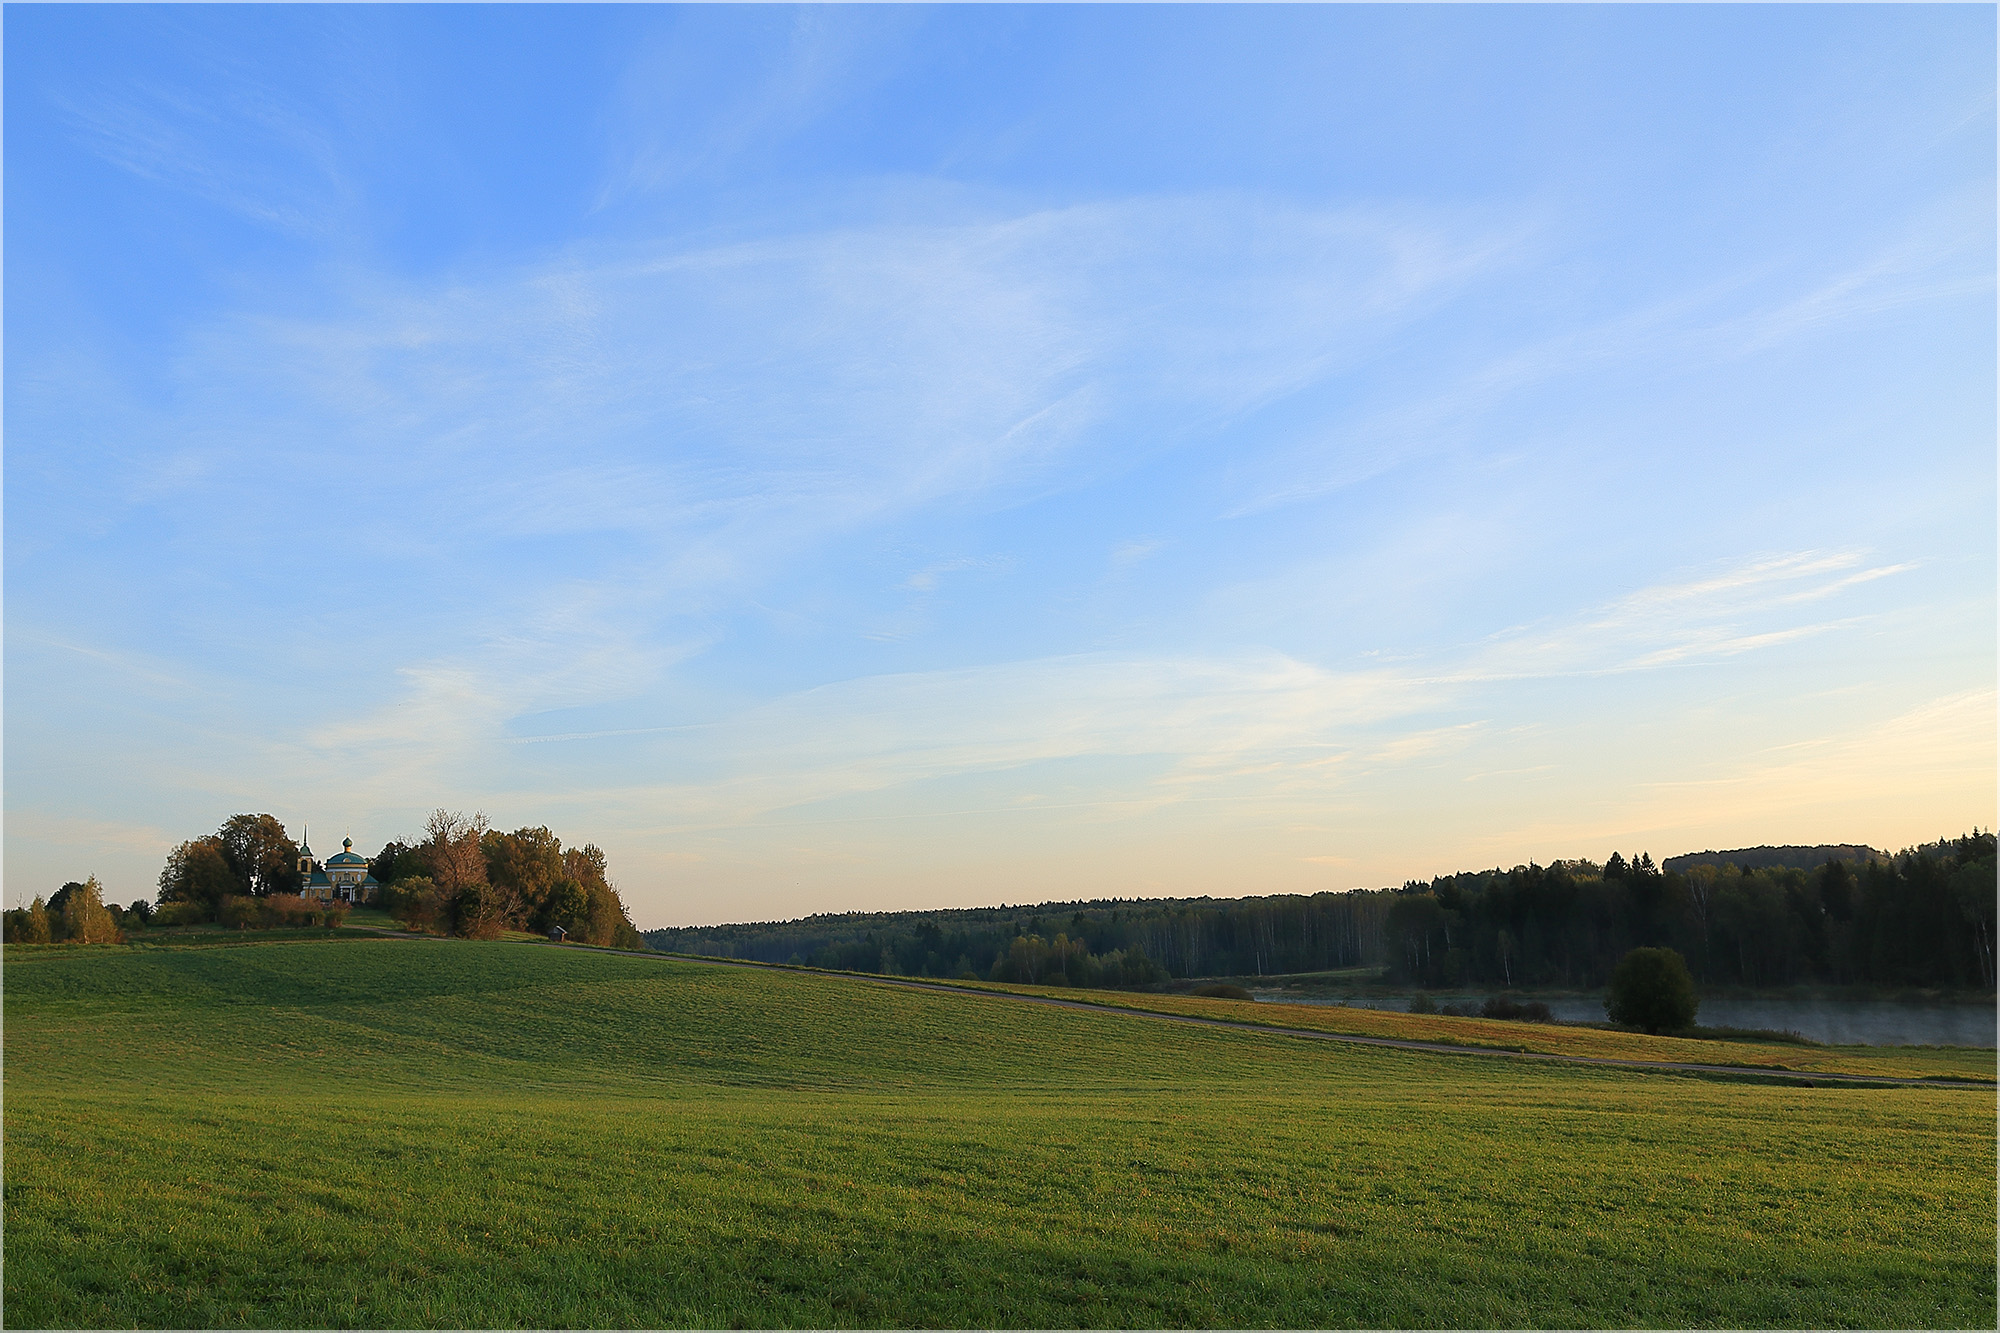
(1834, 1022)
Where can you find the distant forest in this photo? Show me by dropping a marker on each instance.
(1763, 858)
(1921, 918)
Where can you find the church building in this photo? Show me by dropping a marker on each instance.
(344, 876)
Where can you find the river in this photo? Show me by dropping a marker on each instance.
(1833, 1022)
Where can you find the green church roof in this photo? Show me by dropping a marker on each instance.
(346, 856)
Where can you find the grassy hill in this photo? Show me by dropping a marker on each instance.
(421, 1133)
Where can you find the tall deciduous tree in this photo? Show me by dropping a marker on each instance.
(85, 918)
(30, 925)
(260, 854)
(197, 872)
(568, 906)
(523, 868)
(396, 861)
(415, 901)
(607, 922)
(61, 896)
(1972, 885)
(451, 850)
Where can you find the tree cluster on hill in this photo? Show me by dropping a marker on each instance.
(1924, 917)
(250, 856)
(463, 877)
(74, 914)
(476, 881)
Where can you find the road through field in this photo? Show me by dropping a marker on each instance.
(1794, 1077)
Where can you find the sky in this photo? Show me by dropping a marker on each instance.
(850, 458)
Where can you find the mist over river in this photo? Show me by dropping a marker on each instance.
(1833, 1022)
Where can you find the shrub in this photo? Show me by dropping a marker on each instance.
(1422, 1004)
(180, 914)
(239, 910)
(1651, 989)
(282, 911)
(1222, 991)
(415, 901)
(476, 913)
(1515, 1011)
(286, 910)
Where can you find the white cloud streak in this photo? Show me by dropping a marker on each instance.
(1274, 721)
(717, 414)
(1943, 256)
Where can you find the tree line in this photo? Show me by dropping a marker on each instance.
(462, 877)
(1923, 917)
(76, 913)
(1103, 942)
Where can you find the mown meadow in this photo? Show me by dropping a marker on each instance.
(1955, 1063)
(387, 1133)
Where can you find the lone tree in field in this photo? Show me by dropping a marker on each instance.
(1651, 989)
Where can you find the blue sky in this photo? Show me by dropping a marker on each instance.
(842, 458)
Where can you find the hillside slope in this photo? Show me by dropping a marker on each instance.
(1764, 858)
(398, 1133)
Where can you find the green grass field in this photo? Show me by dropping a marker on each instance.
(374, 1132)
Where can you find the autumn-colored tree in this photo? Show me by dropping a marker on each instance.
(586, 865)
(523, 867)
(30, 925)
(605, 923)
(85, 918)
(451, 850)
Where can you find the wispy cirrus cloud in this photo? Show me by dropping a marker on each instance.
(1941, 256)
(932, 357)
(1278, 724)
(235, 138)
(688, 420)
(1739, 609)
(552, 483)
(682, 115)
